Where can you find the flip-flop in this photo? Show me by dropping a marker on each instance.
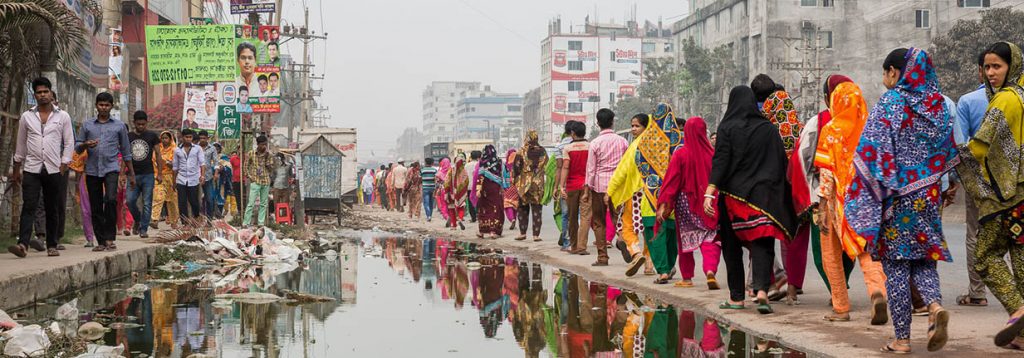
(937, 333)
(661, 281)
(889, 349)
(879, 312)
(834, 318)
(683, 284)
(1006, 335)
(712, 282)
(966, 300)
(725, 305)
(763, 307)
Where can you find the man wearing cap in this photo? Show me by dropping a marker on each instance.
(400, 171)
(257, 168)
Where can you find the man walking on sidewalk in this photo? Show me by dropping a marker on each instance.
(189, 170)
(429, 177)
(42, 154)
(258, 166)
(143, 147)
(605, 152)
(104, 138)
(572, 187)
(210, 161)
(400, 172)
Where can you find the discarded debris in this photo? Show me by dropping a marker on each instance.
(68, 311)
(137, 291)
(26, 341)
(250, 297)
(91, 331)
(300, 297)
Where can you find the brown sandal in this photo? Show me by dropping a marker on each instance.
(99, 248)
(18, 250)
(52, 252)
(111, 246)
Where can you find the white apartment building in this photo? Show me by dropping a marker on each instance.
(440, 99)
(492, 116)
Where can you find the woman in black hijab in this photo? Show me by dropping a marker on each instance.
(748, 177)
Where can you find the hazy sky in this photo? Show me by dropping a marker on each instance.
(381, 54)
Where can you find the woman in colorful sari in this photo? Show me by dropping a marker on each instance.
(630, 232)
(529, 181)
(441, 194)
(682, 194)
(488, 187)
(82, 196)
(997, 188)
(164, 194)
(641, 169)
(511, 193)
(834, 160)
(748, 172)
(780, 111)
(894, 200)
(414, 190)
(456, 188)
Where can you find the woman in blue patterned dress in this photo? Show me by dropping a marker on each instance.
(895, 199)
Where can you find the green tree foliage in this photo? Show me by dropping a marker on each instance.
(658, 86)
(704, 80)
(955, 54)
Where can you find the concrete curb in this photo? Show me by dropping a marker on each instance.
(20, 290)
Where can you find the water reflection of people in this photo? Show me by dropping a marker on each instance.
(493, 304)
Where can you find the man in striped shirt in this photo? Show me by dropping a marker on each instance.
(605, 152)
(429, 176)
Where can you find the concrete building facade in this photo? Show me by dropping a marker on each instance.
(799, 42)
(491, 116)
(439, 101)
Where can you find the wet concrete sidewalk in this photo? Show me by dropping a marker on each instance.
(37, 277)
(801, 327)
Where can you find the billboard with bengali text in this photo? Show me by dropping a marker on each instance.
(188, 54)
(250, 6)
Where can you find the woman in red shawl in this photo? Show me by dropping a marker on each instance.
(683, 192)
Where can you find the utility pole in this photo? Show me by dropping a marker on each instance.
(809, 67)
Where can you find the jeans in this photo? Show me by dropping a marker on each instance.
(209, 199)
(188, 201)
(49, 185)
(103, 202)
(428, 202)
(564, 237)
(144, 189)
(257, 193)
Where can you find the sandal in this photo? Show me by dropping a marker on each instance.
(726, 305)
(937, 332)
(61, 247)
(1015, 346)
(661, 280)
(920, 312)
(111, 246)
(18, 250)
(880, 311)
(889, 349)
(683, 284)
(1013, 328)
(536, 239)
(836, 317)
(520, 237)
(99, 248)
(965, 300)
(763, 307)
(712, 281)
(52, 252)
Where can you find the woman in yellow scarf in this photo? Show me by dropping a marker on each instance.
(164, 192)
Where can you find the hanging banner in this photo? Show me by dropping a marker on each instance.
(229, 124)
(183, 54)
(200, 21)
(200, 107)
(259, 72)
(116, 60)
(248, 6)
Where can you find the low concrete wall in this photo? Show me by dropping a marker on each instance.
(24, 289)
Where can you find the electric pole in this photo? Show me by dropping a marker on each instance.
(809, 67)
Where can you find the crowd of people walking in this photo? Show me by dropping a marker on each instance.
(127, 181)
(851, 185)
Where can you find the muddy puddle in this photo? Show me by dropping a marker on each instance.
(395, 297)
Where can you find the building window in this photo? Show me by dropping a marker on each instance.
(575, 86)
(575, 65)
(921, 19)
(826, 39)
(575, 107)
(648, 47)
(611, 56)
(575, 45)
(611, 98)
(611, 76)
(809, 3)
(828, 3)
(515, 108)
(974, 3)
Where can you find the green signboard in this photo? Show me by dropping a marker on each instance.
(181, 54)
(229, 123)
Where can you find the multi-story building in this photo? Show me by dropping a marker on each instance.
(492, 116)
(409, 145)
(799, 42)
(439, 101)
(532, 117)
(583, 71)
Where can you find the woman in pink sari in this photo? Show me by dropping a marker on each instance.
(442, 174)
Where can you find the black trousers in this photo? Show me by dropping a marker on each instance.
(188, 201)
(762, 256)
(50, 185)
(103, 202)
(236, 190)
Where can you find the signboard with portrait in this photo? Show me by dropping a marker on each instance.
(116, 62)
(258, 80)
(200, 107)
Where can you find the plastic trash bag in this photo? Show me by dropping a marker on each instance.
(68, 311)
(6, 322)
(99, 351)
(26, 341)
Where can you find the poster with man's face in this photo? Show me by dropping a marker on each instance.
(258, 83)
(200, 107)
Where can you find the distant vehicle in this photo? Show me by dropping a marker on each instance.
(467, 146)
(436, 150)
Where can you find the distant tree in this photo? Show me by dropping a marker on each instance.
(659, 85)
(704, 79)
(168, 113)
(955, 54)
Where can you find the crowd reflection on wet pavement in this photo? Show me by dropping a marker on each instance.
(551, 312)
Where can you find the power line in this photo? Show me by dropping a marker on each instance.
(496, 22)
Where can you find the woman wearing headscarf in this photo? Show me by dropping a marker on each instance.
(834, 160)
(456, 187)
(487, 195)
(990, 176)
(894, 200)
(748, 172)
(366, 184)
(441, 194)
(682, 193)
(414, 189)
(511, 193)
(529, 181)
(164, 193)
(642, 168)
(631, 232)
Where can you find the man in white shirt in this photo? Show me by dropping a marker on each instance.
(42, 154)
(399, 172)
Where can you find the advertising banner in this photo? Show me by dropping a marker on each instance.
(259, 72)
(116, 63)
(229, 125)
(183, 54)
(200, 107)
(248, 6)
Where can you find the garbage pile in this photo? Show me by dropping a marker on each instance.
(229, 245)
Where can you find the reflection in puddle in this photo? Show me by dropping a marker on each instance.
(415, 298)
